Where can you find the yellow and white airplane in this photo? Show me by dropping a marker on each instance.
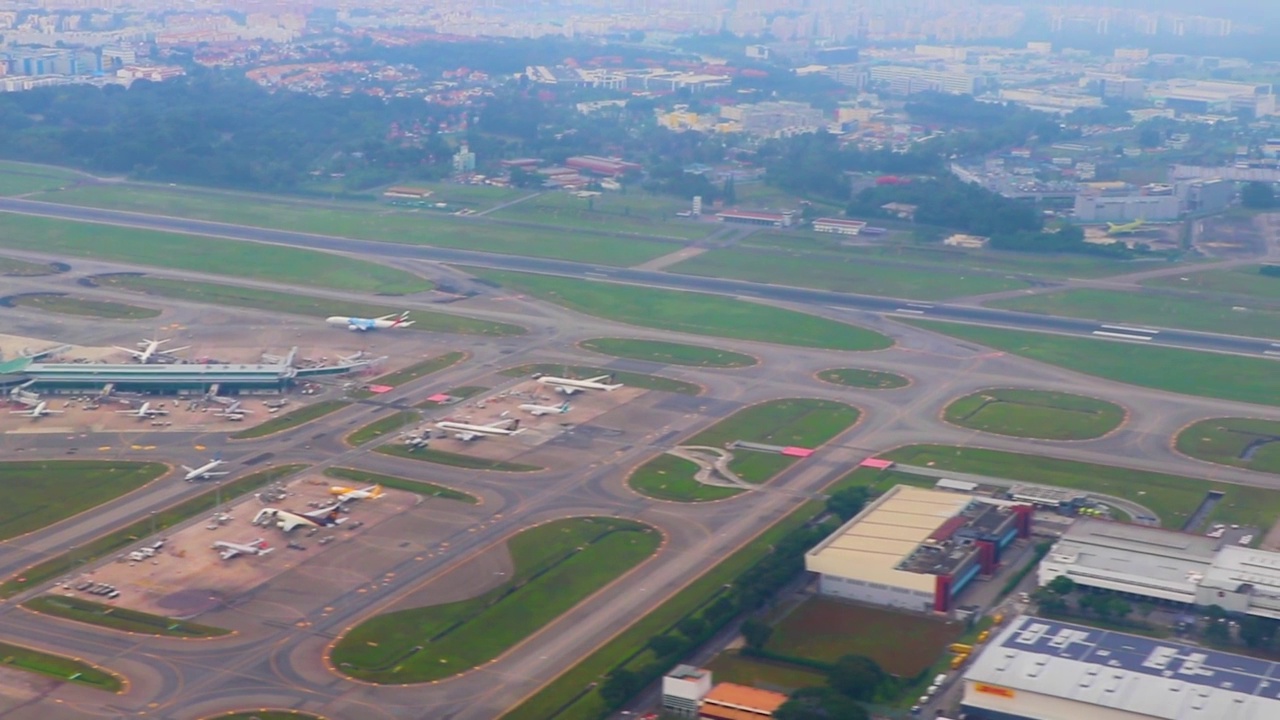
(373, 492)
(1126, 228)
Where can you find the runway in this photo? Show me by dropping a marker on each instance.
(972, 314)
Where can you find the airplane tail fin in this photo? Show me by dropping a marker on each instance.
(376, 492)
(564, 407)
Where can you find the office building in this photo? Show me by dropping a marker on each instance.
(683, 690)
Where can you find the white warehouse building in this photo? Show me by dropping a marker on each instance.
(1166, 565)
(1036, 669)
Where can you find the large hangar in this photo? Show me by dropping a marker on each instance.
(1166, 565)
(1039, 669)
(917, 549)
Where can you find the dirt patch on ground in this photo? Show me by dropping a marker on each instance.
(904, 644)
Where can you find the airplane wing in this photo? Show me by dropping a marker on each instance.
(228, 553)
(392, 316)
(599, 379)
(288, 521)
(466, 435)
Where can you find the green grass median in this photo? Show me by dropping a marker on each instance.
(118, 618)
(555, 566)
(1228, 377)
(689, 312)
(235, 258)
(1243, 442)
(121, 538)
(668, 353)
(297, 304)
(291, 419)
(382, 426)
(59, 667)
(1039, 414)
(442, 457)
(864, 379)
(82, 307)
(573, 695)
(39, 493)
(365, 478)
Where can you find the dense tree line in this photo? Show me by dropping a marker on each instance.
(986, 126)
(209, 129)
(815, 165)
(948, 202)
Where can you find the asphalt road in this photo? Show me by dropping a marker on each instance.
(971, 314)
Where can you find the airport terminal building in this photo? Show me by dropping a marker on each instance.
(917, 549)
(1037, 669)
(1166, 565)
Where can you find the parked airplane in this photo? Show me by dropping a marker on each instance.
(467, 431)
(234, 408)
(385, 322)
(1125, 228)
(231, 550)
(286, 520)
(373, 492)
(540, 410)
(569, 386)
(39, 410)
(205, 471)
(144, 411)
(150, 350)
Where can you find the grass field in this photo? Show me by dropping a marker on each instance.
(573, 695)
(21, 178)
(731, 667)
(903, 644)
(555, 566)
(799, 422)
(630, 379)
(419, 369)
(13, 267)
(202, 254)
(802, 422)
(612, 212)
(865, 379)
(117, 618)
(1172, 497)
(1179, 311)
(828, 249)
(1228, 377)
(1244, 280)
(371, 222)
(59, 667)
(117, 540)
(668, 477)
(218, 294)
(843, 273)
(669, 353)
(696, 313)
(380, 427)
(84, 307)
(1035, 414)
(1244, 442)
(364, 478)
(442, 457)
(39, 493)
(292, 419)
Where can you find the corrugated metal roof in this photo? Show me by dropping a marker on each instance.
(870, 546)
(1146, 676)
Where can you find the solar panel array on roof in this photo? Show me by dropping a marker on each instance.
(1145, 676)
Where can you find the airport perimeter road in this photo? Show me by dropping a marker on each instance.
(1101, 329)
